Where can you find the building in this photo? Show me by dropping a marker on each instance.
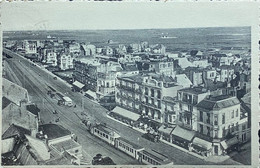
(194, 75)
(88, 50)
(65, 61)
(22, 149)
(158, 49)
(108, 51)
(225, 73)
(16, 108)
(60, 141)
(162, 68)
(183, 80)
(218, 118)
(183, 62)
(143, 94)
(134, 48)
(129, 69)
(85, 71)
(50, 57)
(30, 47)
(188, 98)
(210, 74)
(106, 78)
(203, 63)
(74, 48)
(170, 108)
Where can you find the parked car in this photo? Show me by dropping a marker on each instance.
(55, 78)
(99, 160)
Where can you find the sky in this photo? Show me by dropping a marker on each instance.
(123, 15)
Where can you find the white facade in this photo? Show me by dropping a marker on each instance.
(51, 58)
(30, 47)
(66, 62)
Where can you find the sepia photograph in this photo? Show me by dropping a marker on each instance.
(109, 83)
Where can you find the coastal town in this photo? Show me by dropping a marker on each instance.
(68, 102)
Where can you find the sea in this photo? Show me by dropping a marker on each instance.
(181, 39)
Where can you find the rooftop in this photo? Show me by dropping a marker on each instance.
(162, 159)
(33, 109)
(194, 90)
(65, 145)
(105, 129)
(14, 130)
(54, 131)
(14, 92)
(135, 78)
(5, 102)
(169, 99)
(135, 146)
(216, 102)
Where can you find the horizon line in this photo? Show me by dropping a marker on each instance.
(112, 29)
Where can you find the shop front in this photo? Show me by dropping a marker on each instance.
(201, 147)
(230, 145)
(165, 133)
(182, 137)
(124, 115)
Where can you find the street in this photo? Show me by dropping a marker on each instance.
(36, 80)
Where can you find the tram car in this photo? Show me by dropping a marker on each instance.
(141, 154)
(105, 133)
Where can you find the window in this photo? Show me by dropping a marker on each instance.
(201, 116)
(232, 114)
(215, 119)
(152, 92)
(159, 103)
(223, 118)
(216, 133)
(180, 106)
(237, 113)
(190, 108)
(208, 129)
(243, 127)
(158, 94)
(152, 101)
(208, 118)
(237, 126)
(223, 132)
(170, 119)
(146, 100)
(146, 91)
(201, 128)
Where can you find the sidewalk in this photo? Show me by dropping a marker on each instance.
(182, 149)
(137, 129)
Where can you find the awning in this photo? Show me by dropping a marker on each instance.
(91, 93)
(78, 84)
(166, 130)
(126, 113)
(183, 133)
(228, 143)
(202, 143)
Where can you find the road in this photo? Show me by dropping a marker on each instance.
(36, 79)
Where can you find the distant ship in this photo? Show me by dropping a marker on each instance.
(167, 37)
(50, 37)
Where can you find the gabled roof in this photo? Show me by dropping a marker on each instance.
(14, 130)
